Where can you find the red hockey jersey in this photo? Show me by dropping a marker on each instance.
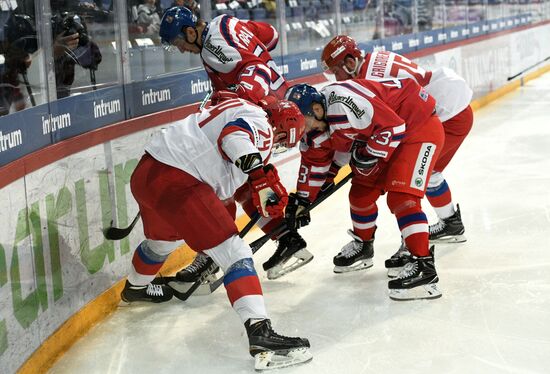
(379, 114)
(237, 52)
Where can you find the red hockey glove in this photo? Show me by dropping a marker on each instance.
(222, 95)
(363, 162)
(268, 194)
(267, 101)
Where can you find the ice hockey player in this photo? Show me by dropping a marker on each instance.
(235, 54)
(342, 58)
(181, 183)
(393, 139)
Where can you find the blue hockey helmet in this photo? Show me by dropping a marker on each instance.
(304, 95)
(173, 22)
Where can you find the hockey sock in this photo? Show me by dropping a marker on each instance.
(363, 210)
(439, 196)
(145, 265)
(244, 290)
(412, 222)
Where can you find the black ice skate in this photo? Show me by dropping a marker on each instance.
(201, 269)
(416, 280)
(152, 293)
(273, 351)
(356, 255)
(290, 255)
(395, 263)
(194, 271)
(448, 230)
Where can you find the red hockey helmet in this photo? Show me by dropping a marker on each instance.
(337, 50)
(287, 121)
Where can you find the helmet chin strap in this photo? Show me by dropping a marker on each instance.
(354, 71)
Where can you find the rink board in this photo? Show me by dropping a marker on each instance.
(53, 257)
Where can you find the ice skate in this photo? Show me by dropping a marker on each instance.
(395, 263)
(356, 255)
(448, 230)
(273, 351)
(151, 293)
(199, 270)
(290, 255)
(416, 280)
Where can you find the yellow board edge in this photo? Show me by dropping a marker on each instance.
(106, 303)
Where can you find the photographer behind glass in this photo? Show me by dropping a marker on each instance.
(18, 45)
(72, 46)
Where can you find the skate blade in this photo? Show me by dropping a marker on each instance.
(361, 265)
(392, 272)
(450, 239)
(301, 258)
(271, 360)
(427, 291)
(138, 303)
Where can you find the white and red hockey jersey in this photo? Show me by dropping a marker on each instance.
(379, 114)
(237, 52)
(452, 94)
(207, 144)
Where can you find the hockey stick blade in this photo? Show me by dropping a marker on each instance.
(115, 233)
(527, 69)
(185, 295)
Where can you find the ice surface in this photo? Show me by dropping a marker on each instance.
(494, 316)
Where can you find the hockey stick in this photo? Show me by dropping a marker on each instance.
(205, 100)
(115, 233)
(529, 68)
(210, 270)
(258, 243)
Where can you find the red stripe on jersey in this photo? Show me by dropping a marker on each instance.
(357, 91)
(228, 130)
(218, 109)
(244, 286)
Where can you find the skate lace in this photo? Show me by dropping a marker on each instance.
(403, 251)
(154, 290)
(409, 269)
(351, 249)
(197, 264)
(437, 228)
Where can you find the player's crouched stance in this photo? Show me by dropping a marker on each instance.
(392, 138)
(182, 184)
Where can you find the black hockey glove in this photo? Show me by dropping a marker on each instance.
(296, 213)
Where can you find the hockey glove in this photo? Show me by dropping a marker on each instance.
(364, 162)
(223, 95)
(268, 194)
(296, 213)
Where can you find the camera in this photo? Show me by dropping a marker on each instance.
(68, 23)
(20, 33)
